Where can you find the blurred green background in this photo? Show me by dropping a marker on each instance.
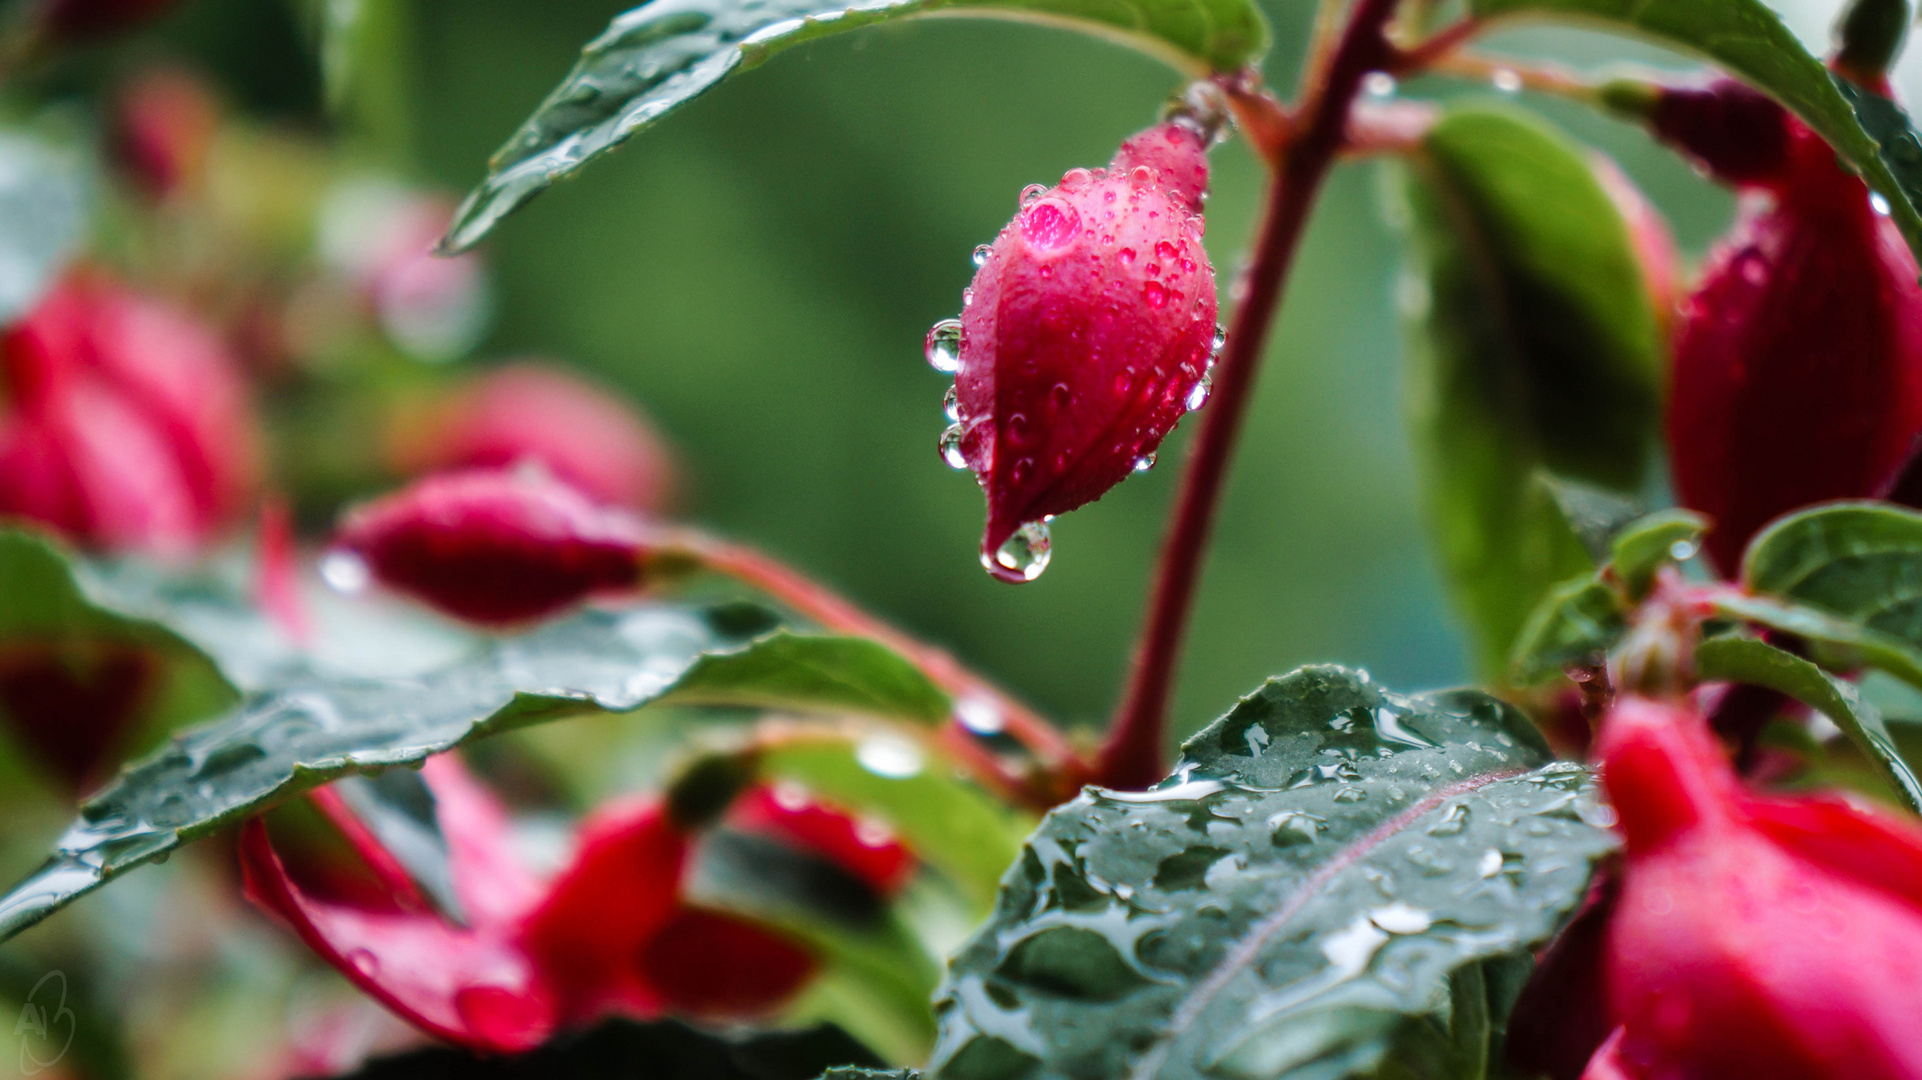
(759, 270)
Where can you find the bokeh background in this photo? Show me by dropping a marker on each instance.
(759, 270)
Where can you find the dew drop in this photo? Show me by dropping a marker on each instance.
(889, 756)
(951, 404)
(1506, 81)
(1024, 556)
(1683, 550)
(364, 962)
(1220, 339)
(944, 346)
(1379, 84)
(1155, 293)
(1074, 178)
(1199, 395)
(345, 572)
(1127, 256)
(1880, 204)
(1141, 174)
(979, 714)
(1144, 463)
(981, 253)
(1165, 251)
(1032, 192)
(950, 447)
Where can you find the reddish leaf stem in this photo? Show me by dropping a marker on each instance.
(1132, 756)
(1061, 769)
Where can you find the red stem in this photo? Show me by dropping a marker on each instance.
(1132, 756)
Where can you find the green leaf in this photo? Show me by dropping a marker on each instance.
(1751, 660)
(1861, 561)
(657, 57)
(1577, 623)
(43, 217)
(1596, 515)
(1538, 349)
(1653, 542)
(1748, 40)
(1297, 901)
(951, 825)
(298, 736)
(1839, 643)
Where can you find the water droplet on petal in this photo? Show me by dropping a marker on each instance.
(1032, 192)
(1379, 84)
(951, 404)
(1155, 293)
(1144, 463)
(1880, 204)
(981, 253)
(1024, 556)
(950, 447)
(1220, 339)
(944, 346)
(979, 714)
(345, 572)
(1199, 395)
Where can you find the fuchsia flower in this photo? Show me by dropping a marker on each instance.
(1754, 937)
(127, 424)
(529, 413)
(495, 547)
(1087, 333)
(1797, 373)
(85, 20)
(611, 934)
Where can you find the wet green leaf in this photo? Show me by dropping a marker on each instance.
(1537, 349)
(1306, 897)
(1751, 660)
(315, 729)
(1749, 40)
(1577, 624)
(1861, 561)
(1653, 542)
(657, 57)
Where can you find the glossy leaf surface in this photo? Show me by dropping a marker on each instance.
(659, 56)
(1537, 350)
(1321, 884)
(1749, 40)
(303, 734)
(1750, 660)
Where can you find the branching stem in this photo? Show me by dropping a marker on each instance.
(1132, 756)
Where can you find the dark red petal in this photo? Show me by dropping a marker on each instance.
(707, 964)
(496, 547)
(866, 850)
(472, 986)
(621, 887)
(73, 703)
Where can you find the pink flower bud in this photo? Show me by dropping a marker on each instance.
(1086, 335)
(162, 132)
(1757, 937)
(1797, 374)
(128, 425)
(1738, 135)
(493, 547)
(526, 413)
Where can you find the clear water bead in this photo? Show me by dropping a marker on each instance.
(1506, 81)
(944, 346)
(1144, 463)
(981, 253)
(950, 447)
(345, 572)
(1379, 84)
(1026, 552)
(1220, 339)
(951, 405)
(1199, 395)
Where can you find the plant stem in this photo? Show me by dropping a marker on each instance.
(1132, 756)
(1061, 768)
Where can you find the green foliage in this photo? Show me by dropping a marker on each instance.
(1538, 349)
(1335, 878)
(659, 56)
(313, 726)
(1750, 660)
(1644, 547)
(1749, 40)
(1576, 624)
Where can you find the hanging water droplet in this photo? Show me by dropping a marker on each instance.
(951, 404)
(944, 346)
(1144, 463)
(950, 447)
(981, 253)
(1032, 192)
(1379, 84)
(1880, 204)
(979, 714)
(1506, 81)
(1220, 339)
(1199, 395)
(344, 572)
(890, 756)
(1024, 556)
